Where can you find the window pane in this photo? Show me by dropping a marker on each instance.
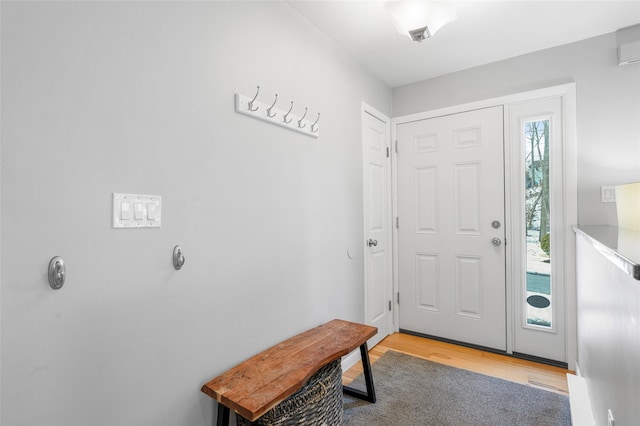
(537, 225)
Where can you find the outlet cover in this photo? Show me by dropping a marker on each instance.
(608, 194)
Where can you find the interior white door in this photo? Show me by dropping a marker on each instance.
(377, 222)
(451, 256)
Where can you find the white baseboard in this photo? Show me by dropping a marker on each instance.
(350, 360)
(581, 413)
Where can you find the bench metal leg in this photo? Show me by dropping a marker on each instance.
(370, 395)
(223, 415)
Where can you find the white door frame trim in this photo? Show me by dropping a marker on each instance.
(570, 192)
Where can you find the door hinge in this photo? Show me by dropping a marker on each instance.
(396, 146)
(398, 298)
(397, 222)
(389, 304)
(387, 152)
(505, 241)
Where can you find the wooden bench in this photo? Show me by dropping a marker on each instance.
(258, 384)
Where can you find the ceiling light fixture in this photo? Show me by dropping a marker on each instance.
(419, 19)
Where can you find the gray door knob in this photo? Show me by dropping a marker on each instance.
(372, 243)
(496, 241)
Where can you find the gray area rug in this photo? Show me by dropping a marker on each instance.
(414, 391)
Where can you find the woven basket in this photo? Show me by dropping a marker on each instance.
(318, 403)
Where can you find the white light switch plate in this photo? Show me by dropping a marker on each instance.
(608, 194)
(148, 215)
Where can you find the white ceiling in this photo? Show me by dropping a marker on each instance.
(484, 32)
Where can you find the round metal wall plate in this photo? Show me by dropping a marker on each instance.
(57, 273)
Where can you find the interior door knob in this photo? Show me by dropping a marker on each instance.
(372, 243)
(496, 241)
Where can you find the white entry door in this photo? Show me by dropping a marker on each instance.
(451, 256)
(377, 224)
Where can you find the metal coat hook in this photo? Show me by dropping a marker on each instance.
(271, 107)
(57, 273)
(300, 125)
(314, 126)
(178, 258)
(287, 114)
(253, 100)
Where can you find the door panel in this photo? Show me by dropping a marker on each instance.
(468, 177)
(469, 286)
(425, 195)
(426, 280)
(450, 188)
(377, 205)
(539, 330)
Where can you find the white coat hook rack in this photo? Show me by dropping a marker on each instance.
(251, 106)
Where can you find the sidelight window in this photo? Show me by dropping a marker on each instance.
(538, 292)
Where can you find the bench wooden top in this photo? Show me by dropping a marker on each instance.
(261, 382)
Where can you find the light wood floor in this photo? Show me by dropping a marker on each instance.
(504, 367)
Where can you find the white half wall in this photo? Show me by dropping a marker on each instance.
(608, 107)
(608, 334)
(138, 97)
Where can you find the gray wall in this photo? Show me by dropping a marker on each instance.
(608, 335)
(138, 98)
(608, 107)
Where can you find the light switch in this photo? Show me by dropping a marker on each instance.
(131, 211)
(608, 194)
(151, 211)
(125, 210)
(138, 212)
